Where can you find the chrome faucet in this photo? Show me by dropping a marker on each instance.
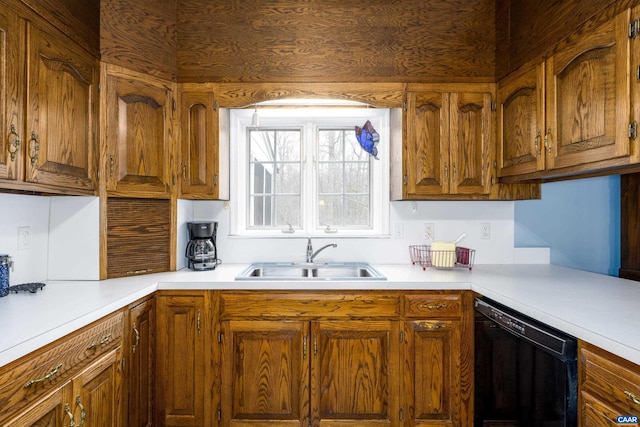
(311, 255)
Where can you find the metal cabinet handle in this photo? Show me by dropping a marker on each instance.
(111, 165)
(13, 146)
(432, 325)
(48, 376)
(548, 140)
(315, 345)
(434, 307)
(100, 343)
(198, 323)
(83, 414)
(304, 347)
(184, 171)
(633, 397)
(135, 344)
(67, 409)
(34, 147)
(446, 170)
(536, 143)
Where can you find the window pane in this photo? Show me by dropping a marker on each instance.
(357, 210)
(288, 211)
(356, 178)
(288, 146)
(288, 178)
(330, 178)
(330, 145)
(330, 210)
(353, 150)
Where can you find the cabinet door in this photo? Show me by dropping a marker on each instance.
(54, 410)
(182, 361)
(588, 97)
(97, 392)
(141, 364)
(138, 133)
(199, 142)
(354, 373)
(432, 376)
(12, 86)
(61, 139)
(470, 143)
(521, 122)
(426, 148)
(595, 413)
(265, 373)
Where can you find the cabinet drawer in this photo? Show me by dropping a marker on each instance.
(610, 378)
(311, 305)
(30, 377)
(436, 305)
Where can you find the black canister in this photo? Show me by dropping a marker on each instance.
(5, 263)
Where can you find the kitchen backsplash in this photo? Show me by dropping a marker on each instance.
(63, 235)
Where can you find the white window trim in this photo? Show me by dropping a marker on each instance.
(241, 120)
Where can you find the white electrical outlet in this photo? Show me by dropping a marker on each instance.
(24, 238)
(429, 231)
(485, 231)
(398, 230)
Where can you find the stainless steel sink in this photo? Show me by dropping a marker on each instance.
(310, 271)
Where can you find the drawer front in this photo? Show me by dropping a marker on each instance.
(433, 305)
(309, 305)
(35, 374)
(614, 381)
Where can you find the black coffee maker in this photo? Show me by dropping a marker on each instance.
(201, 252)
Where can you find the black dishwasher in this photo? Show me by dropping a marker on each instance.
(525, 371)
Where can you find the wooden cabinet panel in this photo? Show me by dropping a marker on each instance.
(54, 410)
(588, 99)
(61, 112)
(141, 364)
(48, 115)
(448, 148)
(97, 391)
(12, 88)
(426, 151)
(609, 387)
(433, 378)
(265, 373)
(354, 379)
(138, 131)
(521, 122)
(435, 305)
(199, 142)
(183, 361)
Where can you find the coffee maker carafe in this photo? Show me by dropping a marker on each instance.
(201, 252)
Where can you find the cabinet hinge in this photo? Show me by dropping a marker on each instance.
(494, 106)
(219, 414)
(633, 130)
(219, 336)
(404, 105)
(401, 336)
(634, 28)
(215, 105)
(124, 363)
(405, 180)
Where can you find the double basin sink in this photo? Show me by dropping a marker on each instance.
(310, 271)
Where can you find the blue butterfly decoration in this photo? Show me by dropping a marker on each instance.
(368, 138)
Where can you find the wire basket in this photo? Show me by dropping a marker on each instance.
(445, 260)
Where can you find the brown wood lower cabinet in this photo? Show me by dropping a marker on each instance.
(141, 367)
(347, 359)
(609, 387)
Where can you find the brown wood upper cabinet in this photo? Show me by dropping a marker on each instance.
(203, 170)
(570, 114)
(448, 142)
(138, 133)
(49, 88)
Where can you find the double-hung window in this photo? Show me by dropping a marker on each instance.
(302, 171)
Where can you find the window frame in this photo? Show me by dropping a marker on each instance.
(310, 120)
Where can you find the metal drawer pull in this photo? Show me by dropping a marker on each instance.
(135, 344)
(304, 347)
(434, 307)
(67, 409)
(101, 343)
(432, 325)
(83, 414)
(13, 147)
(35, 150)
(633, 397)
(53, 372)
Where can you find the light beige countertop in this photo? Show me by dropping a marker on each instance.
(600, 309)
